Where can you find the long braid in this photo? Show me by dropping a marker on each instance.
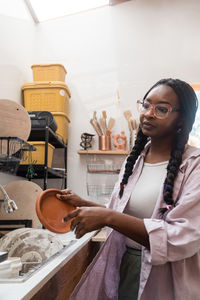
(140, 142)
(188, 103)
(172, 169)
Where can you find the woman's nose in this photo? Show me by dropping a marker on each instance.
(150, 112)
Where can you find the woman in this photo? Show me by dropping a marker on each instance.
(154, 208)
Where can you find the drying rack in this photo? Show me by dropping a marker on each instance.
(12, 151)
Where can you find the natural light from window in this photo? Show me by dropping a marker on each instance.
(50, 9)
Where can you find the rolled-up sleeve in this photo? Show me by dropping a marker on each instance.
(177, 236)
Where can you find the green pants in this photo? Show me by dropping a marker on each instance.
(129, 275)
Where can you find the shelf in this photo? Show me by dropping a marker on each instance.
(39, 170)
(100, 236)
(113, 152)
(39, 134)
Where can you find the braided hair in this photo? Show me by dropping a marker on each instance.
(188, 105)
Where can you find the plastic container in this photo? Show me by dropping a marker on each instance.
(48, 72)
(62, 121)
(48, 96)
(41, 119)
(38, 156)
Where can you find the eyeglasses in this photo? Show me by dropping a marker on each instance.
(161, 110)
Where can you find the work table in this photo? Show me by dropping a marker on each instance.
(57, 278)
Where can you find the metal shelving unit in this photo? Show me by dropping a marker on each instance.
(43, 171)
(12, 151)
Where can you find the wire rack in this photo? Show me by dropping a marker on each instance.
(103, 168)
(12, 151)
(99, 190)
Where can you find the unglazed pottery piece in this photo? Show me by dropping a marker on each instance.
(51, 211)
(32, 245)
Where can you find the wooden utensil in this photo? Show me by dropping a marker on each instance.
(130, 134)
(108, 132)
(96, 128)
(95, 115)
(103, 126)
(104, 115)
(111, 123)
(134, 124)
(24, 193)
(96, 122)
(127, 114)
(133, 127)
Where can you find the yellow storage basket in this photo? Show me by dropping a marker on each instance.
(38, 157)
(62, 121)
(50, 96)
(48, 72)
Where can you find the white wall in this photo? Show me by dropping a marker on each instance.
(16, 51)
(127, 47)
(16, 55)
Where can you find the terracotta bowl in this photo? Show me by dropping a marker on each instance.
(51, 211)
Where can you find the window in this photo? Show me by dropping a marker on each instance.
(195, 133)
(49, 9)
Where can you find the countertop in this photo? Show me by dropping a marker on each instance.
(27, 289)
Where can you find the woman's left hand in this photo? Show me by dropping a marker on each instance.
(86, 219)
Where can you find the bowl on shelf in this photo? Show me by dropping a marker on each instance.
(51, 211)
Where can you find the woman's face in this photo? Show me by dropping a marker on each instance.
(160, 128)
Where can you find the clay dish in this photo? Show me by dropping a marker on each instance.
(51, 211)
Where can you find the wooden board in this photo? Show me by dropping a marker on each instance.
(14, 120)
(24, 193)
(100, 236)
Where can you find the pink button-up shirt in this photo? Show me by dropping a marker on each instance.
(171, 269)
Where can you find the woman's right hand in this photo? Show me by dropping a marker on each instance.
(71, 198)
(75, 200)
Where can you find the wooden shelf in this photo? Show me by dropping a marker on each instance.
(113, 152)
(100, 236)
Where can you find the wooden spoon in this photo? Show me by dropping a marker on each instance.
(111, 123)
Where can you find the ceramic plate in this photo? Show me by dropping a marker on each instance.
(51, 211)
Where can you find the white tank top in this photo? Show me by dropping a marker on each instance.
(145, 193)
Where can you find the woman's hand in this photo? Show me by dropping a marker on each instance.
(86, 219)
(71, 198)
(75, 200)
